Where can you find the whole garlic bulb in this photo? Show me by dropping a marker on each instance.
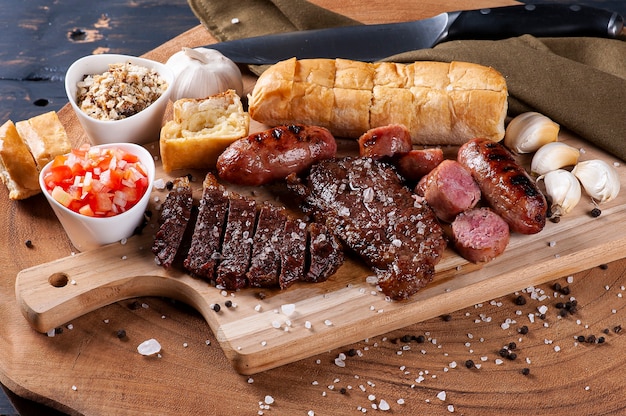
(600, 180)
(563, 189)
(201, 72)
(552, 156)
(529, 131)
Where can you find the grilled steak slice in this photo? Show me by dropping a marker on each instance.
(325, 253)
(369, 209)
(205, 249)
(173, 220)
(237, 243)
(265, 260)
(292, 253)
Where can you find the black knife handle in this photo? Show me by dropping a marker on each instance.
(539, 20)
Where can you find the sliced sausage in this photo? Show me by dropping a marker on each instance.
(505, 185)
(449, 189)
(273, 154)
(385, 141)
(418, 162)
(480, 235)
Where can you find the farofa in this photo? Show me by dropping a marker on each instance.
(122, 91)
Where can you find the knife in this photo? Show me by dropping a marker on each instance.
(373, 42)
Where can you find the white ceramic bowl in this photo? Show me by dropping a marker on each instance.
(87, 233)
(143, 127)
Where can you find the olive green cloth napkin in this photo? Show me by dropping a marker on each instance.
(578, 82)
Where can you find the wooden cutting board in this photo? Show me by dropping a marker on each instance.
(256, 335)
(86, 369)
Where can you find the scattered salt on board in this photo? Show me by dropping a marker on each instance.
(149, 347)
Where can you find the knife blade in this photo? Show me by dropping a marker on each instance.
(374, 42)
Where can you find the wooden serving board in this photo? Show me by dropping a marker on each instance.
(255, 335)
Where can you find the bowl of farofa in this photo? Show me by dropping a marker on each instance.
(119, 98)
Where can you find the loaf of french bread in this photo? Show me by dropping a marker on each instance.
(440, 103)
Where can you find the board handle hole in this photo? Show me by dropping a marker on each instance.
(58, 279)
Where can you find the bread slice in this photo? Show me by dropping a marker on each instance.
(201, 130)
(45, 136)
(18, 170)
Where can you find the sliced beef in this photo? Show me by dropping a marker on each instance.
(205, 249)
(369, 209)
(237, 243)
(265, 260)
(325, 254)
(293, 251)
(173, 220)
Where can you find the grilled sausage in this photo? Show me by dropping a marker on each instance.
(449, 189)
(418, 162)
(480, 235)
(385, 141)
(505, 185)
(273, 154)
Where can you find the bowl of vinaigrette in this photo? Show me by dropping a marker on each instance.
(99, 193)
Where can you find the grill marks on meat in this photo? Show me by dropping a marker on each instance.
(238, 242)
(175, 215)
(366, 205)
(265, 260)
(201, 259)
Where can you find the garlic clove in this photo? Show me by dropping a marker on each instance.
(202, 72)
(599, 179)
(563, 190)
(552, 156)
(527, 132)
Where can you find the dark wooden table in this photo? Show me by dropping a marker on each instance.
(40, 39)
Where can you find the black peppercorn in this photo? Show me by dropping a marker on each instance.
(29, 243)
(121, 333)
(216, 307)
(523, 330)
(469, 364)
(595, 213)
(525, 371)
(520, 300)
(420, 339)
(228, 303)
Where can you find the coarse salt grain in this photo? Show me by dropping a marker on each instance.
(159, 183)
(288, 309)
(149, 347)
(441, 396)
(269, 399)
(383, 405)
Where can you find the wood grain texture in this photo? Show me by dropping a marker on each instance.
(86, 369)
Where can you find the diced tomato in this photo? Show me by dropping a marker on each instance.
(97, 182)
